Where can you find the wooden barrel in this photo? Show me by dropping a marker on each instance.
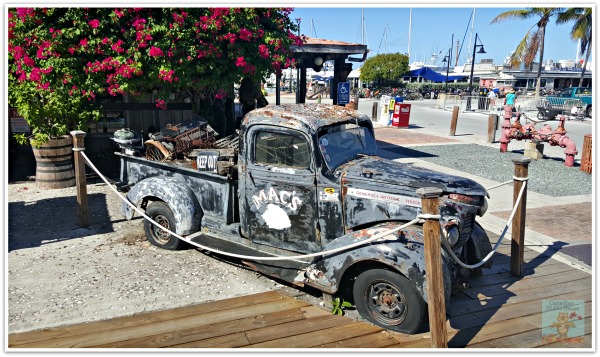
(54, 163)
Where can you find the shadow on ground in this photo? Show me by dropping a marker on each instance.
(32, 224)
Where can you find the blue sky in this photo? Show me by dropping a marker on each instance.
(432, 29)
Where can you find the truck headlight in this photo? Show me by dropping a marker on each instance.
(451, 233)
(483, 208)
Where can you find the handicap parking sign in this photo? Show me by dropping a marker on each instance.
(343, 93)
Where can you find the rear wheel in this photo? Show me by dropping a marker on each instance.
(161, 213)
(389, 300)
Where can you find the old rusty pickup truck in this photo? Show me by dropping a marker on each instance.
(304, 179)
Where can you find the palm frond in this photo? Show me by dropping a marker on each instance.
(520, 52)
(512, 14)
(533, 47)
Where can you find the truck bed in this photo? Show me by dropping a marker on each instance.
(216, 194)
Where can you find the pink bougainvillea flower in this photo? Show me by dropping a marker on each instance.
(83, 42)
(245, 35)
(94, 23)
(240, 62)
(155, 52)
(263, 50)
(160, 103)
(221, 94)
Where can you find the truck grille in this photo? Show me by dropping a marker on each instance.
(466, 228)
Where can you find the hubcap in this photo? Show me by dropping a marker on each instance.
(387, 303)
(161, 236)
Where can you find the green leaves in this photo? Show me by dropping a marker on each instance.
(339, 305)
(77, 54)
(384, 67)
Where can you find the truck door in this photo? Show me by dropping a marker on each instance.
(280, 189)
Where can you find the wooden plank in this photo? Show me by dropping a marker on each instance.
(495, 329)
(510, 311)
(228, 341)
(535, 263)
(526, 339)
(316, 338)
(182, 336)
(510, 298)
(505, 277)
(523, 285)
(375, 340)
(581, 342)
(158, 327)
(297, 328)
(487, 331)
(140, 319)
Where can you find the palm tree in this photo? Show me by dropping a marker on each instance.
(532, 43)
(581, 31)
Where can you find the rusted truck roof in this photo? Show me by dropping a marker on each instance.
(309, 117)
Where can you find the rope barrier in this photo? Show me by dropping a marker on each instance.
(249, 257)
(375, 237)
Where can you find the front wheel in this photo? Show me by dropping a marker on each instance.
(588, 112)
(160, 213)
(389, 300)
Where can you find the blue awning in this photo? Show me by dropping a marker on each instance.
(432, 75)
(319, 78)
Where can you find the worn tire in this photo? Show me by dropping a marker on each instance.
(389, 300)
(161, 214)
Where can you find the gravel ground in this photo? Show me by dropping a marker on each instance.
(59, 274)
(548, 176)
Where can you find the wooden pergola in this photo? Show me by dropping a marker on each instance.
(316, 51)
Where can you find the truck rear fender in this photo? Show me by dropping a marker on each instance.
(401, 252)
(175, 193)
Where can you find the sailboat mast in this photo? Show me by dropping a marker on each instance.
(409, 30)
(362, 26)
(471, 37)
(386, 30)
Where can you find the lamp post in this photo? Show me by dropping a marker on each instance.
(481, 50)
(447, 60)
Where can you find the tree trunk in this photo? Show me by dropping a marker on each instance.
(587, 57)
(219, 113)
(539, 71)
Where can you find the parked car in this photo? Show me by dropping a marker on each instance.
(570, 96)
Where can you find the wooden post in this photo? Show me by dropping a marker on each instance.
(492, 126)
(517, 246)
(80, 180)
(433, 267)
(374, 111)
(454, 120)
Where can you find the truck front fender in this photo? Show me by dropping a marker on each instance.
(480, 245)
(401, 251)
(175, 193)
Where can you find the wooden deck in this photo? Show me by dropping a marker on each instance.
(497, 311)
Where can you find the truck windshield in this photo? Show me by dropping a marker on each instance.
(343, 143)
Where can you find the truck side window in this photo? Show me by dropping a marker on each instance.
(281, 150)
